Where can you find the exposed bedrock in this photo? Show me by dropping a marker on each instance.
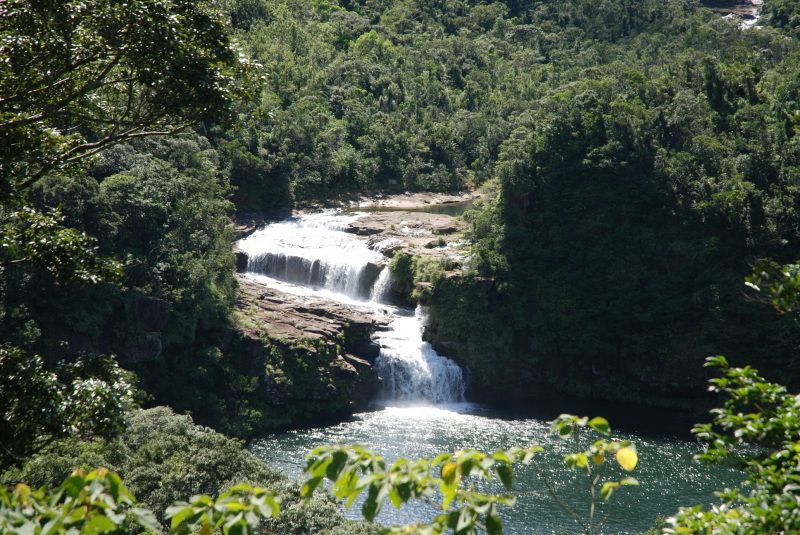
(310, 358)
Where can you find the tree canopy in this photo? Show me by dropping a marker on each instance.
(78, 76)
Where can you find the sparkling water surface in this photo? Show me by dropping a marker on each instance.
(668, 476)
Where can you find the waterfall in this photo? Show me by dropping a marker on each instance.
(315, 252)
(354, 280)
(380, 290)
(411, 368)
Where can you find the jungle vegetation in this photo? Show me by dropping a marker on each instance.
(642, 159)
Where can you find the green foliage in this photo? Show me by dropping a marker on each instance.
(355, 471)
(165, 458)
(402, 269)
(98, 502)
(409, 270)
(40, 239)
(93, 503)
(162, 204)
(85, 398)
(758, 427)
(236, 512)
(782, 13)
(780, 283)
(161, 209)
(638, 186)
(456, 482)
(75, 79)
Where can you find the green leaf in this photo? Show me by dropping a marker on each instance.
(465, 519)
(501, 456)
(320, 468)
(274, 505)
(242, 488)
(608, 488)
(404, 491)
(494, 526)
(145, 518)
(576, 460)
(506, 474)
(600, 425)
(234, 506)
(449, 472)
(371, 505)
(338, 460)
(97, 525)
(439, 459)
(395, 498)
(309, 486)
(73, 485)
(178, 514)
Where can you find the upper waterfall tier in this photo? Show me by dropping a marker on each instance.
(314, 251)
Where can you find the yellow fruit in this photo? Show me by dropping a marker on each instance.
(627, 458)
(449, 472)
(598, 459)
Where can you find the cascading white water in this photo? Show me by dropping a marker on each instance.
(411, 368)
(380, 290)
(314, 252)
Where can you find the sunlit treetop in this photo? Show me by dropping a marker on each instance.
(79, 75)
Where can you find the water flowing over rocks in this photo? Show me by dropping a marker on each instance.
(412, 369)
(746, 11)
(321, 280)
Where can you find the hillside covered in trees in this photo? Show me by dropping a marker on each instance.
(635, 161)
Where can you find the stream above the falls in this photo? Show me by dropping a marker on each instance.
(422, 410)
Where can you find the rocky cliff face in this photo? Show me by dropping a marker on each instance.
(308, 359)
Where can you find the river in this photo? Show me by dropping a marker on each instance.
(422, 410)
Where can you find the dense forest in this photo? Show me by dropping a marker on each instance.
(637, 161)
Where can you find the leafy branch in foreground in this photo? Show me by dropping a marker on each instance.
(451, 482)
(93, 503)
(98, 503)
(591, 461)
(758, 427)
(235, 512)
(354, 470)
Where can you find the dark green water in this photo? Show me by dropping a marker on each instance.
(669, 477)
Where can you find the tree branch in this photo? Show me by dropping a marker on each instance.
(86, 150)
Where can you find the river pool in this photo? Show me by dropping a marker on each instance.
(668, 476)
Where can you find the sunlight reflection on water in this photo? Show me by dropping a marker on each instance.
(669, 477)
